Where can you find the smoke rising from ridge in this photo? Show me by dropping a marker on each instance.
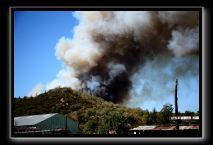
(110, 52)
(155, 83)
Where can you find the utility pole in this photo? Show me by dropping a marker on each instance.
(176, 106)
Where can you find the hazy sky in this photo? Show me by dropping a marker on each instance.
(36, 35)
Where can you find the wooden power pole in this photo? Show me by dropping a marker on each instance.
(176, 106)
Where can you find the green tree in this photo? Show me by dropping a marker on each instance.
(166, 113)
(90, 127)
(154, 116)
(189, 113)
(146, 118)
(111, 120)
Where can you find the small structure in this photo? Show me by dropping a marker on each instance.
(45, 124)
(185, 118)
(145, 127)
(165, 130)
(141, 129)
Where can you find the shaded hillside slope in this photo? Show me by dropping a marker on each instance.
(94, 114)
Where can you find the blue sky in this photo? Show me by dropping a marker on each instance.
(186, 100)
(35, 36)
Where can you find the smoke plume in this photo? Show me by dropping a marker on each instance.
(156, 78)
(38, 89)
(113, 54)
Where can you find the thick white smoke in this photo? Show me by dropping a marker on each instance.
(81, 53)
(150, 49)
(115, 69)
(184, 41)
(38, 89)
(111, 22)
(93, 83)
(65, 77)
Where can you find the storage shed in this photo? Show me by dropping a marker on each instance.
(45, 123)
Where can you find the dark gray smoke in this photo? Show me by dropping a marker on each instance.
(110, 51)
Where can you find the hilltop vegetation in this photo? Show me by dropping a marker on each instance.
(94, 114)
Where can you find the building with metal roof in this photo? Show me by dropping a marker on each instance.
(184, 118)
(145, 127)
(166, 130)
(165, 127)
(45, 123)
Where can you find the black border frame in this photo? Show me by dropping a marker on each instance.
(111, 9)
(46, 3)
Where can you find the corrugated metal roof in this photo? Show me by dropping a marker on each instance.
(145, 127)
(163, 127)
(189, 127)
(32, 119)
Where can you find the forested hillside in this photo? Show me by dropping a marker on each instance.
(94, 114)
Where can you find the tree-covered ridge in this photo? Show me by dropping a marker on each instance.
(94, 114)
